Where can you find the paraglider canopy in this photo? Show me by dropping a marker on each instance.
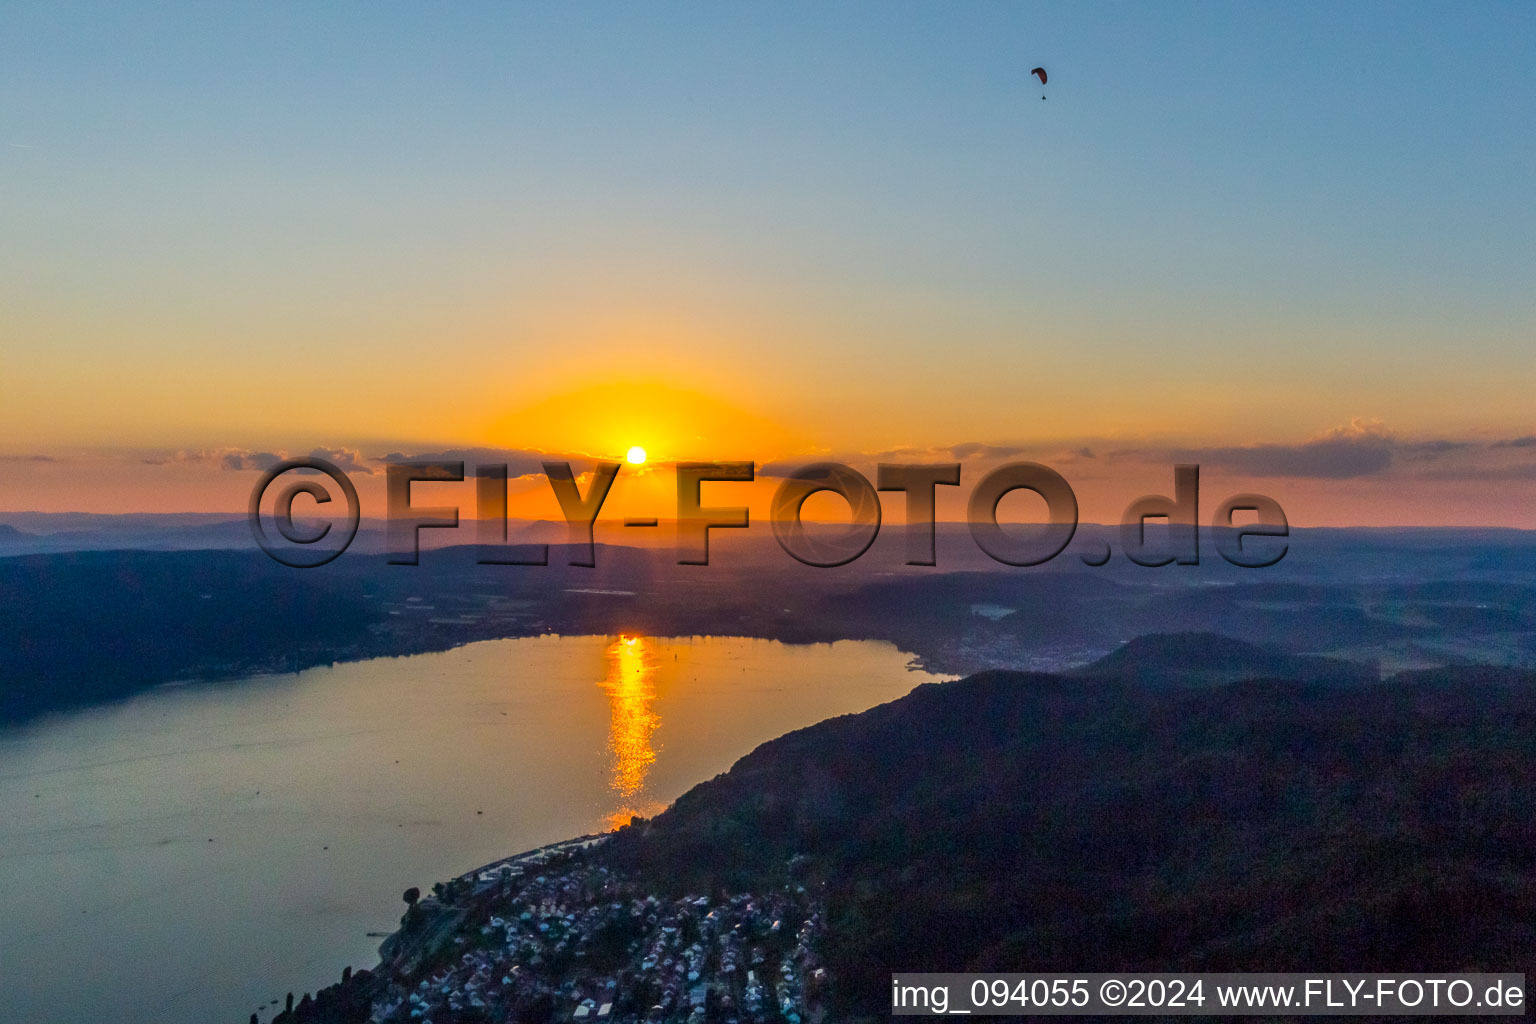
(1039, 73)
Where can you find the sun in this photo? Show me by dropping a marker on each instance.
(636, 456)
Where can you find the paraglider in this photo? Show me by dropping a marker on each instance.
(1040, 74)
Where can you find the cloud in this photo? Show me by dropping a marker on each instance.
(227, 458)
(777, 468)
(232, 458)
(249, 460)
(1359, 448)
(964, 452)
(1362, 448)
(349, 460)
(1479, 471)
(27, 458)
(1326, 460)
(519, 462)
(1357, 429)
(1430, 451)
(977, 450)
(1367, 448)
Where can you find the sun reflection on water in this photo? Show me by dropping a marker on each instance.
(631, 689)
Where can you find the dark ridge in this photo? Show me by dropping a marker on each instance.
(1014, 821)
(1211, 658)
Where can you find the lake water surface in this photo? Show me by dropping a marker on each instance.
(192, 854)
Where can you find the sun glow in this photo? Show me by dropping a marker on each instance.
(636, 456)
(610, 416)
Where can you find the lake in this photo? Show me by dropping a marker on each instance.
(194, 853)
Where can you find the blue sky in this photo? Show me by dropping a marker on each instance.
(1227, 223)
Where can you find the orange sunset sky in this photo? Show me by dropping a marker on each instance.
(1294, 246)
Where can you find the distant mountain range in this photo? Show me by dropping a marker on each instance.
(1204, 659)
(87, 626)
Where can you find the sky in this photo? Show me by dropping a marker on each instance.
(1295, 243)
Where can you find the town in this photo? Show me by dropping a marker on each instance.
(555, 935)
